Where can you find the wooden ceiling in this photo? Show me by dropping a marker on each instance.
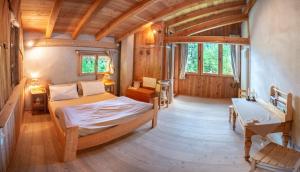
(118, 18)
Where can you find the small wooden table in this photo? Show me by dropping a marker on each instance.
(257, 119)
(110, 86)
(38, 99)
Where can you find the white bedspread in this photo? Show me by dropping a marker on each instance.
(100, 115)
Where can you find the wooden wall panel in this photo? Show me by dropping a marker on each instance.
(148, 53)
(11, 99)
(11, 118)
(5, 88)
(207, 85)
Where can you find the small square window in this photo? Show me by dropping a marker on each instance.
(91, 63)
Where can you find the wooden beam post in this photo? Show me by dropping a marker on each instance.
(53, 17)
(212, 24)
(250, 4)
(73, 43)
(164, 12)
(201, 20)
(86, 17)
(229, 6)
(212, 39)
(132, 11)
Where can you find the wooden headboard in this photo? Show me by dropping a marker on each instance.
(282, 101)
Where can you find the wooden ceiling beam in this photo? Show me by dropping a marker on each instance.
(205, 19)
(140, 6)
(250, 4)
(72, 43)
(205, 11)
(53, 17)
(97, 4)
(212, 24)
(167, 11)
(211, 39)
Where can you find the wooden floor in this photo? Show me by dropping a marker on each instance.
(193, 134)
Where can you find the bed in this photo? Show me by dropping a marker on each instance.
(75, 133)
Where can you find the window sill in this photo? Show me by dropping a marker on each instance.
(207, 74)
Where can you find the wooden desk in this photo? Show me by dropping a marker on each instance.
(257, 118)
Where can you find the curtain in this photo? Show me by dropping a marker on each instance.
(183, 60)
(235, 62)
(111, 68)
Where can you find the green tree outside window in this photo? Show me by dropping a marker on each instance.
(210, 58)
(227, 66)
(103, 62)
(88, 64)
(192, 58)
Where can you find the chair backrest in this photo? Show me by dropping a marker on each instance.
(282, 101)
(149, 82)
(242, 93)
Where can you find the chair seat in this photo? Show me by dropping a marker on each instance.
(277, 158)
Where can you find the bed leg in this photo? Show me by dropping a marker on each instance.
(70, 146)
(155, 104)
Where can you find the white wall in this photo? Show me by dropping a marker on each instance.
(275, 51)
(126, 63)
(58, 64)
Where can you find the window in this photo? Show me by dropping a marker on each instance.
(88, 63)
(103, 64)
(192, 58)
(226, 60)
(210, 58)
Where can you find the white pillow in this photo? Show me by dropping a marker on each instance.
(149, 82)
(63, 91)
(92, 87)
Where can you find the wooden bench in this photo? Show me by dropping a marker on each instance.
(262, 118)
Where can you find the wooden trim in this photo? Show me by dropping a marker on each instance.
(211, 39)
(229, 6)
(162, 13)
(220, 59)
(53, 17)
(72, 43)
(70, 142)
(212, 24)
(98, 4)
(249, 6)
(131, 12)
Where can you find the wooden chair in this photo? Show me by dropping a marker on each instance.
(241, 94)
(163, 92)
(275, 157)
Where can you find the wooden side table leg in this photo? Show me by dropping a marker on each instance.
(247, 143)
(233, 120)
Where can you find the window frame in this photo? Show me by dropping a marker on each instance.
(97, 55)
(200, 63)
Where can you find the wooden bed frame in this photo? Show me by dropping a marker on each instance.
(70, 142)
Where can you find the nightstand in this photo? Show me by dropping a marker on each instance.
(38, 99)
(110, 86)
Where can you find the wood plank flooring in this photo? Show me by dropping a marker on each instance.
(193, 134)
